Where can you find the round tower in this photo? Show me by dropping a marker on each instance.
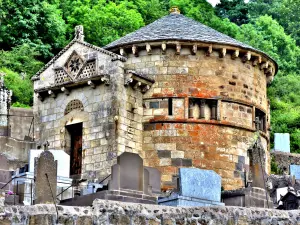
(209, 89)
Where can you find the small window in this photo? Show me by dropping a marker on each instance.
(260, 120)
(74, 104)
(203, 108)
(154, 105)
(170, 106)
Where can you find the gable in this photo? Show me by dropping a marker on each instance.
(78, 60)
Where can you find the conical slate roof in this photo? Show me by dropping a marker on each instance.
(180, 28)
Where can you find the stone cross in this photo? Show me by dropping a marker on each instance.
(45, 173)
(46, 145)
(79, 35)
(257, 164)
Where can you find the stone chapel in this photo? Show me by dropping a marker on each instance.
(176, 92)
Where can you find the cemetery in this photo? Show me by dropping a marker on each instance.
(167, 127)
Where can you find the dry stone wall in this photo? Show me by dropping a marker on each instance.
(283, 160)
(116, 213)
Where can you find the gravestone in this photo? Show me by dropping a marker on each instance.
(130, 182)
(295, 171)
(197, 187)
(282, 142)
(45, 174)
(62, 158)
(5, 173)
(154, 179)
(131, 173)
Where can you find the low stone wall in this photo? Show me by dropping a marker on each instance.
(15, 151)
(117, 213)
(284, 160)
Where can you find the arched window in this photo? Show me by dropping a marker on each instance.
(74, 104)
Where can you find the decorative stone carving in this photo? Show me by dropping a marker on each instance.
(74, 104)
(79, 35)
(74, 65)
(105, 79)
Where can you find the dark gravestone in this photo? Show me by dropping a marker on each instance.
(45, 173)
(130, 182)
(132, 171)
(154, 179)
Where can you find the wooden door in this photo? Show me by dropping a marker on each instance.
(76, 148)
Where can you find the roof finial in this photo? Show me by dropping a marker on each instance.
(174, 10)
(79, 33)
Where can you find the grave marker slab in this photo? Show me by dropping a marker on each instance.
(45, 164)
(132, 172)
(63, 161)
(282, 142)
(197, 187)
(295, 171)
(5, 174)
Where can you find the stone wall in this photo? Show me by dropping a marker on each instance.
(111, 114)
(283, 160)
(20, 123)
(178, 135)
(117, 213)
(15, 151)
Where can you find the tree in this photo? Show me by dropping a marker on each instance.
(285, 107)
(20, 65)
(22, 88)
(21, 59)
(267, 35)
(234, 10)
(106, 22)
(34, 22)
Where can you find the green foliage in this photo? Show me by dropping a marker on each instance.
(19, 65)
(105, 21)
(274, 167)
(235, 10)
(22, 88)
(31, 21)
(20, 105)
(285, 107)
(266, 34)
(21, 59)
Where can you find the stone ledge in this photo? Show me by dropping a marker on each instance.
(111, 212)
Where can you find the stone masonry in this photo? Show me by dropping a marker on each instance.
(116, 213)
(183, 96)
